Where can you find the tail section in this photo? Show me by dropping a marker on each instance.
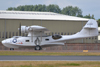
(90, 29)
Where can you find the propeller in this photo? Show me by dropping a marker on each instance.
(19, 29)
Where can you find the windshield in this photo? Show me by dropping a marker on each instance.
(16, 37)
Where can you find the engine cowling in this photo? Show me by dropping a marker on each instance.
(35, 28)
(56, 36)
(24, 29)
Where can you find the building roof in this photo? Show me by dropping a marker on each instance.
(38, 16)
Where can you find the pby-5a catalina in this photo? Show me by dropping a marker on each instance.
(37, 38)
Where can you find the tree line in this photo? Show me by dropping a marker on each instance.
(68, 10)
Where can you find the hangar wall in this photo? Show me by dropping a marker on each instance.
(9, 28)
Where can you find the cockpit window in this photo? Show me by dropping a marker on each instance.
(15, 37)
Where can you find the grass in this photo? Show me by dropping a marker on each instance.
(49, 63)
(37, 53)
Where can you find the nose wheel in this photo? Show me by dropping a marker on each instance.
(37, 47)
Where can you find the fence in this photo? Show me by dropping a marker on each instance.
(68, 46)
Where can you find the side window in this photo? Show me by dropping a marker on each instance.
(56, 36)
(46, 39)
(27, 41)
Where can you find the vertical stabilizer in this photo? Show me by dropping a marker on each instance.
(90, 29)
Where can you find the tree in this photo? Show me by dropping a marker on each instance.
(72, 11)
(68, 10)
(11, 8)
(92, 16)
(99, 22)
(89, 16)
(29, 8)
(41, 8)
(53, 8)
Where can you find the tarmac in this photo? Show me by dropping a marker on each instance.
(49, 58)
(54, 50)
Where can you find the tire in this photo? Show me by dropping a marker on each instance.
(11, 48)
(38, 47)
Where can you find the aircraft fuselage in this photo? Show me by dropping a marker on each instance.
(17, 42)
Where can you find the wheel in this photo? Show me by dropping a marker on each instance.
(38, 47)
(11, 48)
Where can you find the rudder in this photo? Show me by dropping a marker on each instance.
(90, 29)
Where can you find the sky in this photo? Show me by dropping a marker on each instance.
(87, 6)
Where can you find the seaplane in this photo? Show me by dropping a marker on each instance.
(37, 38)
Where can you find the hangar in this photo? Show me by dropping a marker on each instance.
(61, 24)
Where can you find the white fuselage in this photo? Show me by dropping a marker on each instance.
(17, 42)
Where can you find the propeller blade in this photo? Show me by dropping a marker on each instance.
(19, 29)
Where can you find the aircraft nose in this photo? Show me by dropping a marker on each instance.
(3, 42)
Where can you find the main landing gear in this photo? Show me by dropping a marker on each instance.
(37, 47)
(37, 43)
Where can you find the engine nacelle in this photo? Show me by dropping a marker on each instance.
(56, 36)
(35, 28)
(24, 29)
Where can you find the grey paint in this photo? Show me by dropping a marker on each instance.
(28, 58)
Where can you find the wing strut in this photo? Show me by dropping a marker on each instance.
(41, 36)
(19, 29)
(31, 36)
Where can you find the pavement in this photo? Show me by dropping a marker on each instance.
(49, 58)
(54, 50)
